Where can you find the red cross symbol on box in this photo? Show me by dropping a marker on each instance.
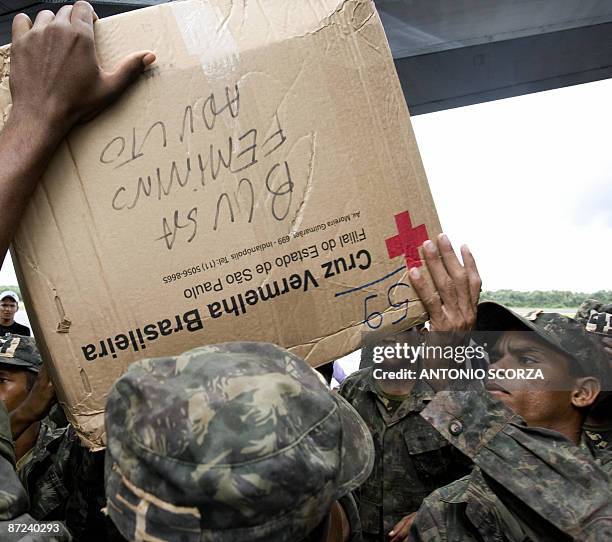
(407, 241)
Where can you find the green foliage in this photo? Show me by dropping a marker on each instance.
(544, 299)
(14, 288)
(537, 299)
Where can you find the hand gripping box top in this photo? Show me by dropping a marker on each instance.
(260, 182)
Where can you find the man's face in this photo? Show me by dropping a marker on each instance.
(541, 403)
(8, 308)
(13, 386)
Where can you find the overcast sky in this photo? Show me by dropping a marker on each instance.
(527, 183)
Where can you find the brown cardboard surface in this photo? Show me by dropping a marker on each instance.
(244, 189)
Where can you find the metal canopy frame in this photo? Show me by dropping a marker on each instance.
(451, 53)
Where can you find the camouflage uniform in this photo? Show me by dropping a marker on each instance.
(21, 352)
(593, 314)
(43, 471)
(411, 458)
(599, 438)
(597, 318)
(63, 480)
(519, 490)
(239, 442)
(14, 501)
(529, 484)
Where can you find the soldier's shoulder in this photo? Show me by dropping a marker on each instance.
(355, 382)
(452, 493)
(55, 450)
(51, 435)
(431, 522)
(455, 492)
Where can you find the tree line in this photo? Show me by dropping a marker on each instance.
(13, 288)
(540, 299)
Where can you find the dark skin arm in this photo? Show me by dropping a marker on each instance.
(450, 298)
(399, 533)
(56, 82)
(36, 405)
(339, 530)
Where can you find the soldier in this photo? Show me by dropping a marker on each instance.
(597, 319)
(42, 450)
(239, 442)
(64, 481)
(26, 396)
(411, 457)
(15, 523)
(536, 478)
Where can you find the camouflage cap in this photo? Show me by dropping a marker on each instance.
(233, 442)
(20, 351)
(584, 311)
(561, 332)
(595, 316)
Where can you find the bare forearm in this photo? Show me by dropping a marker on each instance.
(20, 419)
(26, 146)
(56, 81)
(36, 406)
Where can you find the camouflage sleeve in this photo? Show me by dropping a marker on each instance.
(346, 388)
(13, 498)
(427, 527)
(540, 468)
(15, 524)
(351, 385)
(6, 438)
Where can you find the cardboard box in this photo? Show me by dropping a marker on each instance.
(261, 182)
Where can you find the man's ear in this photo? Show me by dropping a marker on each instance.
(585, 391)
